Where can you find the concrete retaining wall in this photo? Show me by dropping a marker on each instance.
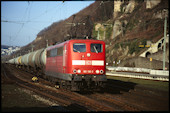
(144, 70)
(128, 69)
(159, 72)
(141, 62)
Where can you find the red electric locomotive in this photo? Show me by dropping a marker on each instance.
(77, 64)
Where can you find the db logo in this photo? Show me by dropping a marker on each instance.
(88, 62)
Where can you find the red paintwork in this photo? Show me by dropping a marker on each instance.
(57, 65)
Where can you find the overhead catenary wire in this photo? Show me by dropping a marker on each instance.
(23, 22)
(27, 18)
(59, 7)
(45, 12)
(16, 22)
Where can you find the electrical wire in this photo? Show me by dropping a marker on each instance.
(43, 13)
(23, 22)
(57, 11)
(27, 14)
(16, 22)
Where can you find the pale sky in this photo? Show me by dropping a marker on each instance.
(21, 21)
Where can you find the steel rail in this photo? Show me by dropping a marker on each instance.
(73, 97)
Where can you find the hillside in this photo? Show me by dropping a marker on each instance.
(63, 30)
(122, 25)
(135, 28)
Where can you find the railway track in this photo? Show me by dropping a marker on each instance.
(75, 98)
(111, 101)
(115, 100)
(61, 96)
(121, 99)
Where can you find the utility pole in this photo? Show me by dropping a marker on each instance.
(32, 46)
(164, 54)
(47, 43)
(104, 32)
(98, 35)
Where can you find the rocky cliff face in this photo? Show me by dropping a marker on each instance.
(152, 3)
(133, 24)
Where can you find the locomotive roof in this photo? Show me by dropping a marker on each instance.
(73, 40)
(86, 40)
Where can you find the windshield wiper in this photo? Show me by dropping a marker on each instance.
(76, 50)
(95, 49)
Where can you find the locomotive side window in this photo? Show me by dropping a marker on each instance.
(79, 47)
(60, 51)
(97, 48)
(53, 52)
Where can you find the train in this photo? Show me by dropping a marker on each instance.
(75, 64)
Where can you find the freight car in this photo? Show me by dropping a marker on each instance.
(74, 64)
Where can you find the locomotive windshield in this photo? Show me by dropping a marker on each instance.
(97, 48)
(79, 47)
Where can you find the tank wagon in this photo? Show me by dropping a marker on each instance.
(74, 64)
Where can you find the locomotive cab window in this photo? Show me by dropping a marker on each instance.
(96, 48)
(79, 47)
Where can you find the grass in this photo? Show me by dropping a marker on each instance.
(160, 85)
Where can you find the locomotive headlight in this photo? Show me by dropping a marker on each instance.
(74, 71)
(79, 71)
(97, 71)
(101, 71)
(88, 54)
